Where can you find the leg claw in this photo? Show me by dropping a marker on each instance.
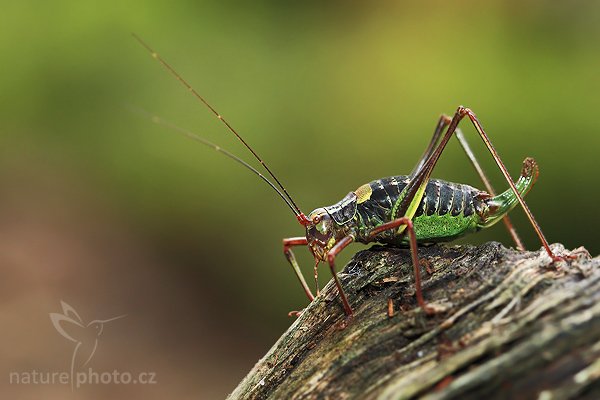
(435, 308)
(572, 255)
(295, 314)
(423, 262)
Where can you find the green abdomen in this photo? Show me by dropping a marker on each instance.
(439, 228)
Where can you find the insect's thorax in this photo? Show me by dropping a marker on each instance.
(446, 211)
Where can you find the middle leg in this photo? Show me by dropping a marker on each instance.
(393, 225)
(289, 255)
(339, 246)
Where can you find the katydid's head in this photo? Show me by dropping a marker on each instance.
(320, 233)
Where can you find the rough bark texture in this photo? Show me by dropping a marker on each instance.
(510, 325)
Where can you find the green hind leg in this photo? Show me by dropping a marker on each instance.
(442, 123)
(422, 176)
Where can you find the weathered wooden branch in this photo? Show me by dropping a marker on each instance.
(510, 325)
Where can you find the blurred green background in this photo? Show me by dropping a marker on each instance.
(112, 214)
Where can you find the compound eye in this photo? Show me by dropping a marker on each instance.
(321, 227)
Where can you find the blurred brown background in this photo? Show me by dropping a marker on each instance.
(114, 215)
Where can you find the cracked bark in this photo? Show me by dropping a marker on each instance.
(511, 325)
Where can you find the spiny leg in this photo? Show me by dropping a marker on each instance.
(392, 225)
(465, 111)
(339, 246)
(287, 250)
(442, 123)
(422, 176)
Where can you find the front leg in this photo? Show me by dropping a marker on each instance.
(341, 245)
(289, 255)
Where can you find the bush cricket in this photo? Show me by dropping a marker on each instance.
(403, 210)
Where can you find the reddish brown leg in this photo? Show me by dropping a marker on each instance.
(339, 246)
(460, 113)
(393, 225)
(427, 264)
(390, 308)
(287, 245)
(437, 134)
(420, 178)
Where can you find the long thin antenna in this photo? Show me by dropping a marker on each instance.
(163, 122)
(168, 67)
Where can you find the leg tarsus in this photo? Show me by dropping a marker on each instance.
(296, 314)
(427, 265)
(581, 252)
(390, 307)
(564, 257)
